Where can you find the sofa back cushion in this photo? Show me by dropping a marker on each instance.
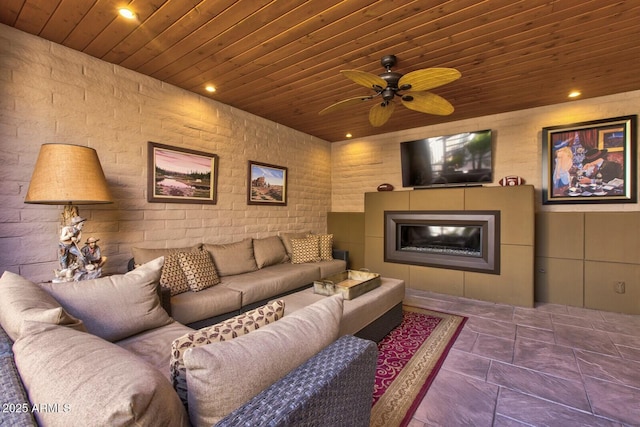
(145, 255)
(21, 299)
(269, 251)
(115, 307)
(91, 381)
(223, 376)
(223, 331)
(286, 239)
(233, 258)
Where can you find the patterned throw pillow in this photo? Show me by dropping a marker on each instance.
(326, 246)
(223, 331)
(199, 270)
(172, 276)
(305, 250)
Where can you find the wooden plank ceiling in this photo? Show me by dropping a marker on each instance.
(280, 59)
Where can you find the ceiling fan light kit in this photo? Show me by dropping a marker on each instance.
(390, 84)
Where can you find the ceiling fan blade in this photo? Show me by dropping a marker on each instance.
(427, 102)
(428, 78)
(344, 103)
(365, 79)
(380, 113)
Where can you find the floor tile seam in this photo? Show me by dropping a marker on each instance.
(548, 374)
(616, 382)
(527, 368)
(553, 402)
(618, 356)
(532, 327)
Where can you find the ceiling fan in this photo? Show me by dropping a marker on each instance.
(411, 88)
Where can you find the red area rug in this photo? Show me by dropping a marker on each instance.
(408, 360)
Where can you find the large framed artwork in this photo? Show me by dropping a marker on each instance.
(180, 175)
(267, 184)
(590, 162)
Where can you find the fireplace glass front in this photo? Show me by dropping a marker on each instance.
(461, 240)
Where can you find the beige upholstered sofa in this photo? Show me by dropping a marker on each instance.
(104, 352)
(210, 282)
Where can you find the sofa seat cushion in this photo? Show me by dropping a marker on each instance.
(271, 281)
(115, 307)
(224, 375)
(99, 383)
(223, 331)
(189, 307)
(154, 346)
(21, 299)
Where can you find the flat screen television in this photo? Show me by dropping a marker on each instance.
(460, 159)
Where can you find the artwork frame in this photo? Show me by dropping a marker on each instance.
(170, 164)
(266, 184)
(590, 162)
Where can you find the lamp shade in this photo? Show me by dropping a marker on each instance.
(66, 174)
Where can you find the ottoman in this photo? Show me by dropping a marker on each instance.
(371, 315)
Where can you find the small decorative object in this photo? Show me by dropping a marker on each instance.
(180, 175)
(590, 162)
(385, 187)
(511, 180)
(69, 175)
(267, 184)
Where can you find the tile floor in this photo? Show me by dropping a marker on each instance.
(552, 365)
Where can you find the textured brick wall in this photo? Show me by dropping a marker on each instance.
(52, 94)
(359, 166)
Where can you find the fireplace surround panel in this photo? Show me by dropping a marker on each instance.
(460, 240)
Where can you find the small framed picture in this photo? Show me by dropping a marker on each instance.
(180, 175)
(267, 184)
(590, 162)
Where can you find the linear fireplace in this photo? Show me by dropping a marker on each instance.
(460, 240)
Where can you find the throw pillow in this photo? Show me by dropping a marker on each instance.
(198, 269)
(223, 331)
(92, 382)
(286, 240)
(115, 307)
(326, 246)
(172, 276)
(223, 376)
(233, 258)
(269, 251)
(305, 250)
(21, 299)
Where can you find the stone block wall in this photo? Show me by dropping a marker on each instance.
(51, 94)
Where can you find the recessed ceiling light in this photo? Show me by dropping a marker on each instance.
(210, 88)
(348, 135)
(127, 13)
(574, 94)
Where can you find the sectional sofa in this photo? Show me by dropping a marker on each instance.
(232, 278)
(105, 352)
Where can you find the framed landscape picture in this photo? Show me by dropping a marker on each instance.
(590, 162)
(180, 175)
(267, 184)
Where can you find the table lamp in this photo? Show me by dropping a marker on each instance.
(69, 175)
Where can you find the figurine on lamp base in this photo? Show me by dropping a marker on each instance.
(75, 263)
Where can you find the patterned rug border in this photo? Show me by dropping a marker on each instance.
(400, 401)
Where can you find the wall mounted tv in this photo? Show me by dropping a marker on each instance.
(460, 159)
